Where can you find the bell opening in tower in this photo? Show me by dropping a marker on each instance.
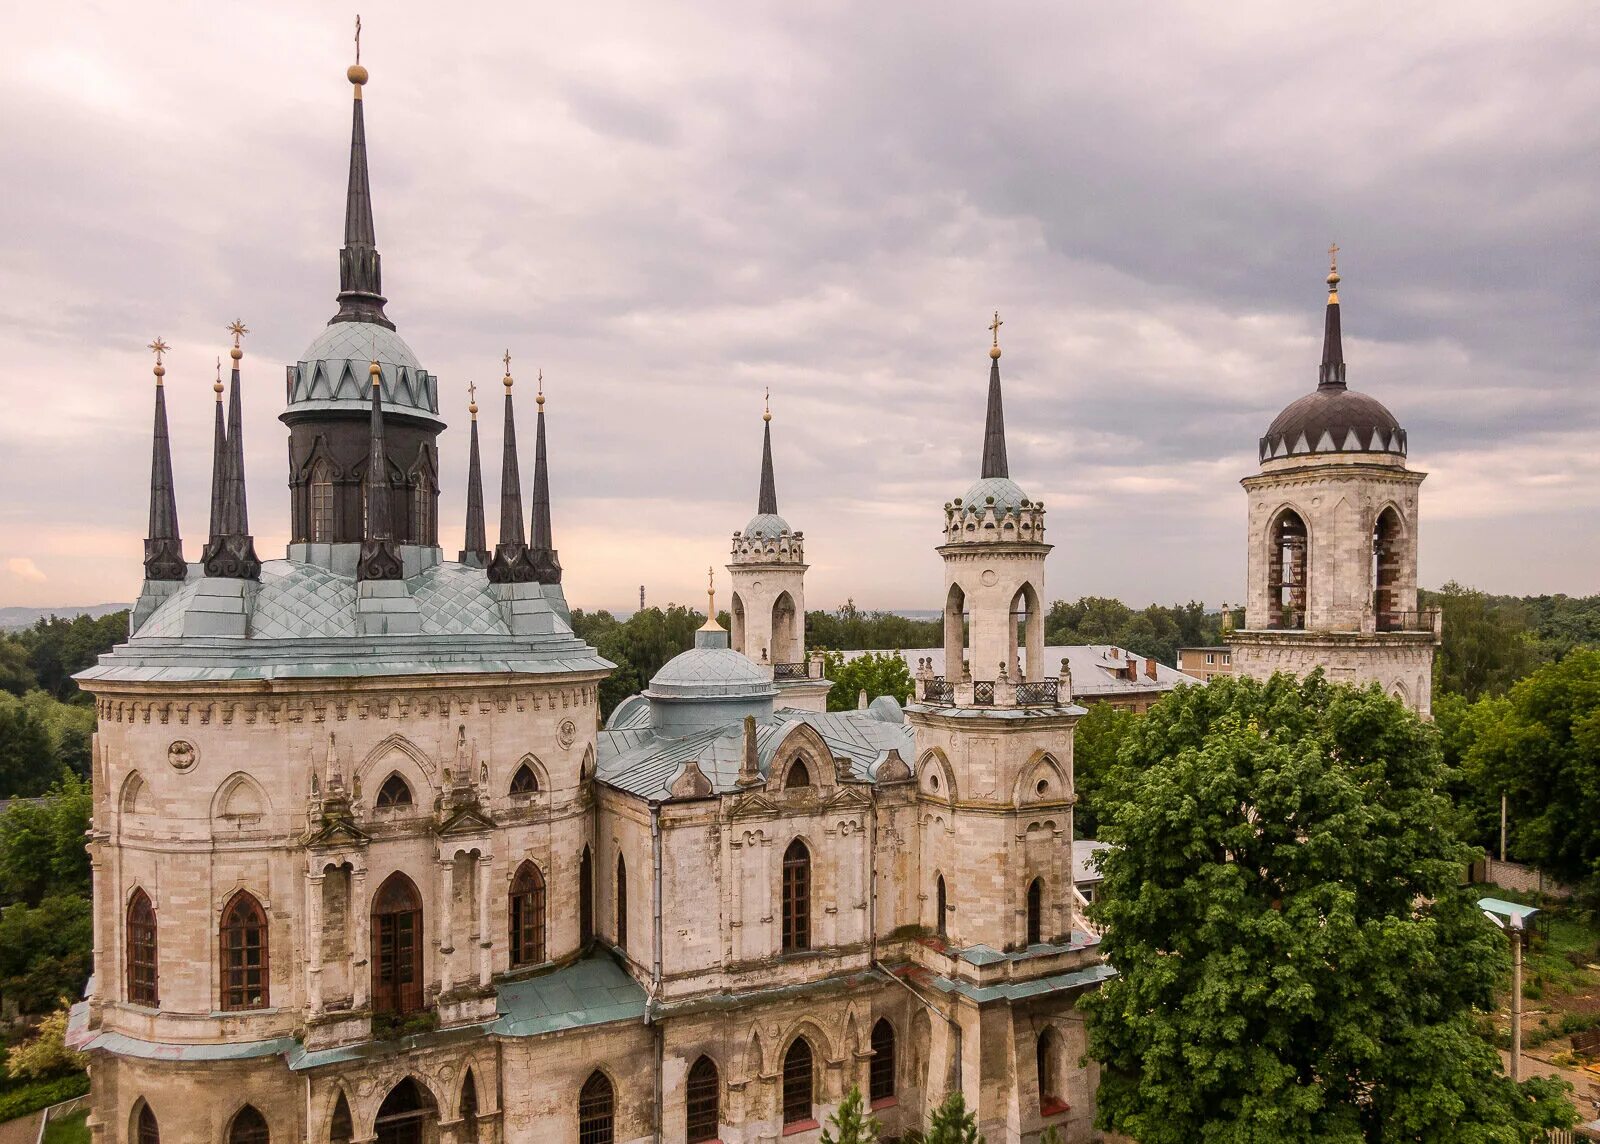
(1386, 551)
(1286, 572)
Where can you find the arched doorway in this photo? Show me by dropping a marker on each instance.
(785, 631)
(407, 1115)
(1026, 631)
(955, 633)
(397, 946)
(1287, 578)
(1386, 553)
(737, 630)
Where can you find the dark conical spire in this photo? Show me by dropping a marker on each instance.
(360, 269)
(510, 564)
(163, 547)
(219, 462)
(994, 426)
(541, 551)
(476, 552)
(767, 499)
(231, 550)
(379, 558)
(1331, 375)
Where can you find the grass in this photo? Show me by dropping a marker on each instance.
(73, 1130)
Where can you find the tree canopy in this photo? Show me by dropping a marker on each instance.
(876, 673)
(1157, 631)
(1297, 958)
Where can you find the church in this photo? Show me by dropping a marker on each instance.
(368, 867)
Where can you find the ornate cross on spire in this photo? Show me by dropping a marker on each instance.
(159, 347)
(507, 360)
(994, 327)
(1333, 258)
(766, 411)
(711, 594)
(472, 399)
(238, 329)
(358, 38)
(539, 397)
(216, 386)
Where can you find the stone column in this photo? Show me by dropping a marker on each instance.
(314, 883)
(447, 943)
(361, 953)
(485, 943)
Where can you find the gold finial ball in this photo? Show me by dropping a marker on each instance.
(161, 370)
(1333, 278)
(236, 353)
(216, 387)
(376, 372)
(540, 399)
(506, 381)
(994, 352)
(767, 416)
(357, 74)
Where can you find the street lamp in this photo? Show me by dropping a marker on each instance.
(1513, 918)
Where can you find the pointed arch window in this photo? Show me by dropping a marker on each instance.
(940, 907)
(341, 1130)
(703, 1102)
(586, 897)
(397, 946)
(597, 1110)
(798, 776)
(249, 1127)
(146, 1130)
(245, 969)
(799, 1083)
(469, 1109)
(622, 903)
(1287, 579)
(1387, 550)
(880, 1076)
(525, 781)
(407, 1115)
(422, 507)
(394, 793)
(141, 942)
(796, 897)
(1036, 911)
(321, 530)
(1047, 1059)
(527, 916)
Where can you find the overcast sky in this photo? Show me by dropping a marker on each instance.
(670, 207)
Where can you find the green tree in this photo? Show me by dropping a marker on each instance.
(45, 951)
(27, 755)
(952, 1123)
(640, 645)
(46, 1054)
(1296, 957)
(1541, 745)
(42, 844)
(1486, 648)
(1096, 742)
(851, 1123)
(58, 648)
(876, 673)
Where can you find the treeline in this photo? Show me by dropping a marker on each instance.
(1490, 642)
(46, 723)
(46, 932)
(1157, 631)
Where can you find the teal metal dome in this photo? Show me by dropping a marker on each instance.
(1007, 494)
(766, 525)
(332, 373)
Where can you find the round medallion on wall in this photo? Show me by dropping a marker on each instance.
(567, 733)
(988, 577)
(755, 585)
(181, 754)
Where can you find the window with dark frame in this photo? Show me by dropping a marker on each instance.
(469, 1109)
(396, 947)
(342, 1129)
(422, 510)
(597, 1111)
(798, 776)
(321, 530)
(940, 906)
(586, 897)
(798, 1082)
(393, 793)
(1036, 911)
(527, 916)
(249, 1127)
(245, 969)
(149, 1131)
(525, 781)
(141, 939)
(622, 903)
(796, 897)
(703, 1103)
(880, 1074)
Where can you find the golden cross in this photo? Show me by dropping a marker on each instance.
(994, 327)
(358, 39)
(507, 360)
(238, 329)
(159, 347)
(1333, 257)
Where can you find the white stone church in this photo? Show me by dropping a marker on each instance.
(368, 868)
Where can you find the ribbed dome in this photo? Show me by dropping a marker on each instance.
(710, 673)
(332, 373)
(1333, 419)
(1006, 492)
(766, 525)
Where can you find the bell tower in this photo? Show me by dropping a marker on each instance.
(1333, 526)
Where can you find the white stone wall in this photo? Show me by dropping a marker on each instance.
(985, 579)
(756, 591)
(1401, 663)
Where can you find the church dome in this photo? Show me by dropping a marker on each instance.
(766, 526)
(1006, 492)
(1333, 419)
(332, 373)
(710, 673)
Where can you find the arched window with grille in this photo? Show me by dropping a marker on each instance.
(880, 1076)
(796, 897)
(703, 1102)
(1036, 911)
(143, 984)
(249, 1127)
(586, 897)
(622, 903)
(321, 530)
(341, 1129)
(145, 1128)
(527, 916)
(799, 1083)
(397, 946)
(597, 1111)
(394, 793)
(245, 968)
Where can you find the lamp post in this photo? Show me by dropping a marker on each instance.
(1513, 918)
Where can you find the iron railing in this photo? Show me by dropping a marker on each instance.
(983, 693)
(1405, 621)
(938, 690)
(783, 671)
(1041, 693)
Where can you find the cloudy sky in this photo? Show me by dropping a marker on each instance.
(670, 207)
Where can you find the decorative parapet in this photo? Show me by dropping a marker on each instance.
(990, 523)
(785, 548)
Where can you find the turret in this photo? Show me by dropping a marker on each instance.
(768, 606)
